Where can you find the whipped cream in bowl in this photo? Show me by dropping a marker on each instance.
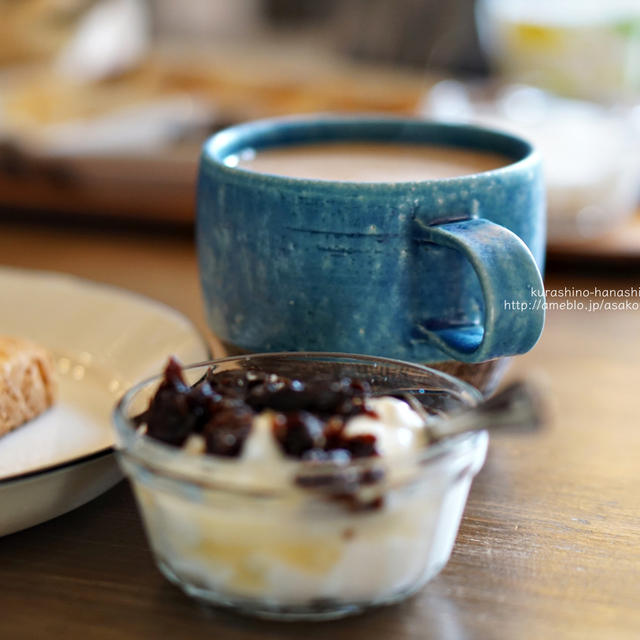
(297, 485)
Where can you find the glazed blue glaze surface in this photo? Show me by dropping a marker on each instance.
(414, 270)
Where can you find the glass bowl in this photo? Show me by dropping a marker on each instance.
(260, 543)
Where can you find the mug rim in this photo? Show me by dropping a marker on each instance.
(232, 139)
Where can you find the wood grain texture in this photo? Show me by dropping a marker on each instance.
(549, 546)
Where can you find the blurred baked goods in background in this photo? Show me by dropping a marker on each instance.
(105, 62)
(119, 133)
(84, 39)
(32, 30)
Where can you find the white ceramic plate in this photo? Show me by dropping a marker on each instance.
(103, 340)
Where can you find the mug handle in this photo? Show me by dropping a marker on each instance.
(508, 275)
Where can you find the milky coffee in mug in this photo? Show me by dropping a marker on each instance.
(371, 162)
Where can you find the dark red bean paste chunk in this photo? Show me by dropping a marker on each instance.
(308, 419)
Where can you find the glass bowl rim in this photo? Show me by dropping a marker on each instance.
(153, 455)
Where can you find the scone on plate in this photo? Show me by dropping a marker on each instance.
(27, 382)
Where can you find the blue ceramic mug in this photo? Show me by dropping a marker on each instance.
(425, 271)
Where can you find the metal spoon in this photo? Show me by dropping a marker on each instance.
(518, 407)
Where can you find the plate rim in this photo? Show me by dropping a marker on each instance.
(59, 466)
(62, 275)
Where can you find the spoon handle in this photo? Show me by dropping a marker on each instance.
(517, 407)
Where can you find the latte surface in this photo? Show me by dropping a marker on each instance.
(369, 162)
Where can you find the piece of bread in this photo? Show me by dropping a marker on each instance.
(27, 383)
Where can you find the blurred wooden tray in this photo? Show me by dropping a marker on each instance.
(153, 188)
(620, 245)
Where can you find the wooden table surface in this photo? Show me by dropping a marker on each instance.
(549, 546)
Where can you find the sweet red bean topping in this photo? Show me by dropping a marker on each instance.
(308, 417)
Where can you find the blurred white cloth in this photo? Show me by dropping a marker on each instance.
(136, 129)
(110, 38)
(591, 155)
